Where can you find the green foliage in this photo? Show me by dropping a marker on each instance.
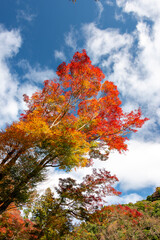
(155, 196)
(50, 217)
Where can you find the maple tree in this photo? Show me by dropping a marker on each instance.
(66, 125)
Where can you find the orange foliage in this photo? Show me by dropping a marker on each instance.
(13, 226)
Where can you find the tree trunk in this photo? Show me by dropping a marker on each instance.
(13, 195)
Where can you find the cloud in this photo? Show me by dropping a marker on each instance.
(70, 39)
(119, 17)
(10, 42)
(109, 2)
(12, 89)
(138, 168)
(139, 74)
(25, 15)
(59, 55)
(100, 9)
(28, 89)
(130, 198)
(143, 8)
(32, 77)
(100, 43)
(36, 74)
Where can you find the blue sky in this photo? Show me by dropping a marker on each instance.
(122, 37)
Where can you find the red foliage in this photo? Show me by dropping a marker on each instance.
(108, 213)
(13, 226)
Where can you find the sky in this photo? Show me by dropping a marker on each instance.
(121, 37)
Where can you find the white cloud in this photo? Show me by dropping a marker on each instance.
(100, 9)
(133, 197)
(52, 180)
(21, 14)
(103, 42)
(28, 89)
(142, 8)
(109, 2)
(59, 55)
(137, 168)
(12, 89)
(71, 39)
(10, 42)
(119, 17)
(33, 76)
(130, 198)
(36, 74)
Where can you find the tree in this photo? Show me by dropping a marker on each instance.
(50, 218)
(71, 118)
(130, 221)
(54, 215)
(110, 222)
(155, 196)
(13, 226)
